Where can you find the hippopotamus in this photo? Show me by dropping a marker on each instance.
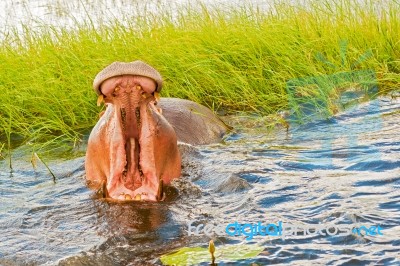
(133, 150)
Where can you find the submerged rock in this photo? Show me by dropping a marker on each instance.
(231, 184)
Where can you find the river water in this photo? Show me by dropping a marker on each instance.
(345, 170)
(341, 171)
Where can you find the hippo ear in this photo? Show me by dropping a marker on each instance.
(100, 99)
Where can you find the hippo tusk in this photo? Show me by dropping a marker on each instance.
(138, 197)
(100, 99)
(103, 190)
(160, 192)
(157, 96)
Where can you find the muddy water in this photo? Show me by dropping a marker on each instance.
(345, 170)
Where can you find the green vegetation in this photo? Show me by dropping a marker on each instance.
(236, 60)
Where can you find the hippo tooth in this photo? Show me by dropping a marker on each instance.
(138, 87)
(100, 99)
(128, 197)
(116, 89)
(138, 197)
(145, 95)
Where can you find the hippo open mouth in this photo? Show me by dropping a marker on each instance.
(132, 150)
(136, 146)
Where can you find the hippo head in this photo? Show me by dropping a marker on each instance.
(132, 151)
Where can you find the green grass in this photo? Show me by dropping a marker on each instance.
(236, 60)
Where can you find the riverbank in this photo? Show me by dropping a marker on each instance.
(231, 60)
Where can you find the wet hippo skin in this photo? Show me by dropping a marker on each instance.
(193, 123)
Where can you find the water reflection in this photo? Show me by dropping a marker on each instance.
(130, 217)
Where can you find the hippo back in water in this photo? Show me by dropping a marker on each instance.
(193, 123)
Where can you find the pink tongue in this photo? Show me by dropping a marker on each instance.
(130, 122)
(132, 177)
(130, 119)
(132, 169)
(139, 147)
